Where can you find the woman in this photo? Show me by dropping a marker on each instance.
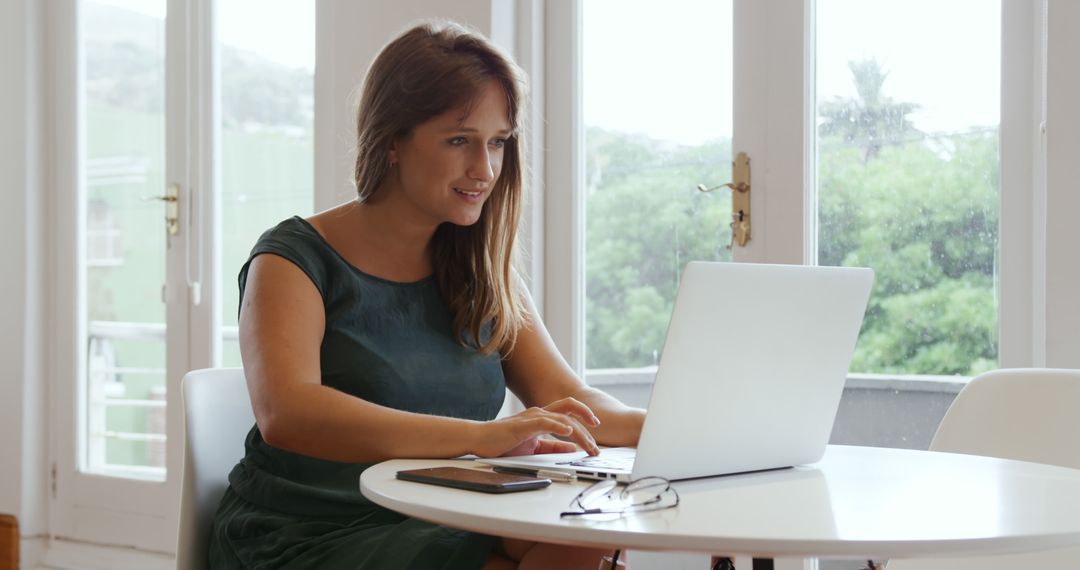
(389, 326)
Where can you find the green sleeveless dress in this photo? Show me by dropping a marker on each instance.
(391, 344)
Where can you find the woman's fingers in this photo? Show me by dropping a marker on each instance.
(547, 424)
(574, 407)
(553, 446)
(577, 414)
(583, 437)
(565, 426)
(519, 434)
(578, 434)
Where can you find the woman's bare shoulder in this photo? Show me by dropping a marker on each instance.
(331, 221)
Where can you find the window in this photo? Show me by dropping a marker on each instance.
(169, 96)
(267, 114)
(907, 167)
(902, 176)
(267, 108)
(657, 124)
(124, 94)
(104, 243)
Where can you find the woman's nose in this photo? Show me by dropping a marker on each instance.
(481, 168)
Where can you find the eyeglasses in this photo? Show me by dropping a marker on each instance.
(607, 498)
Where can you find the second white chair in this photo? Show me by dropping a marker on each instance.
(1026, 414)
(217, 418)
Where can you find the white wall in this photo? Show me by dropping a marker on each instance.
(23, 475)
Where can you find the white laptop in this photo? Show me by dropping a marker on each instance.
(750, 378)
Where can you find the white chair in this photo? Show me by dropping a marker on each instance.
(217, 417)
(1027, 414)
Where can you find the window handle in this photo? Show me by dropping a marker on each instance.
(172, 207)
(740, 199)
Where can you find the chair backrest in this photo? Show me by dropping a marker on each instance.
(217, 417)
(1027, 414)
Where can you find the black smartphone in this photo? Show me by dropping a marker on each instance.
(474, 479)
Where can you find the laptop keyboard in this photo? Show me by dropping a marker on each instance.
(619, 462)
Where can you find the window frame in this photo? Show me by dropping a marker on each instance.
(97, 509)
(778, 35)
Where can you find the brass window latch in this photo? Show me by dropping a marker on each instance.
(172, 207)
(740, 199)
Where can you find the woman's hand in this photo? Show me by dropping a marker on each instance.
(520, 434)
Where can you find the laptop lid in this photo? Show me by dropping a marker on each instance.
(751, 374)
(753, 368)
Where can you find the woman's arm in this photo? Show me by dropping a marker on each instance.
(281, 329)
(538, 375)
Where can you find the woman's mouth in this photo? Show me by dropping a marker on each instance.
(469, 195)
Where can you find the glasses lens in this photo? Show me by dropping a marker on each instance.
(645, 494)
(646, 490)
(596, 493)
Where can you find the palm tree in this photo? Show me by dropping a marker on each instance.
(871, 121)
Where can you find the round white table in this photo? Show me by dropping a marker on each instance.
(857, 502)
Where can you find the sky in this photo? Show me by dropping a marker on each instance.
(664, 68)
(282, 31)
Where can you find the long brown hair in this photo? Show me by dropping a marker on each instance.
(426, 71)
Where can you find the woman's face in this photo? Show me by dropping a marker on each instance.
(448, 166)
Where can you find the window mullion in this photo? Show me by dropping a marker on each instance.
(1022, 189)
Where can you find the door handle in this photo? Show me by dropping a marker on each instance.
(740, 199)
(172, 207)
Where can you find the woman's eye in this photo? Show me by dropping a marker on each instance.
(457, 141)
(498, 143)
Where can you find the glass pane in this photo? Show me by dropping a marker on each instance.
(124, 47)
(908, 119)
(658, 120)
(267, 121)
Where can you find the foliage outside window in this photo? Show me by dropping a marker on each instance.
(920, 209)
(646, 221)
(658, 123)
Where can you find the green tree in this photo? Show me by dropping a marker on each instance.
(872, 120)
(924, 217)
(645, 220)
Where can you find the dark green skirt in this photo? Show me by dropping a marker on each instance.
(245, 535)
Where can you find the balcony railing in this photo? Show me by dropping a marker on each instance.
(125, 404)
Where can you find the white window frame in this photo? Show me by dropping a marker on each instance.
(774, 112)
(1057, 330)
(775, 28)
(1022, 201)
(99, 510)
